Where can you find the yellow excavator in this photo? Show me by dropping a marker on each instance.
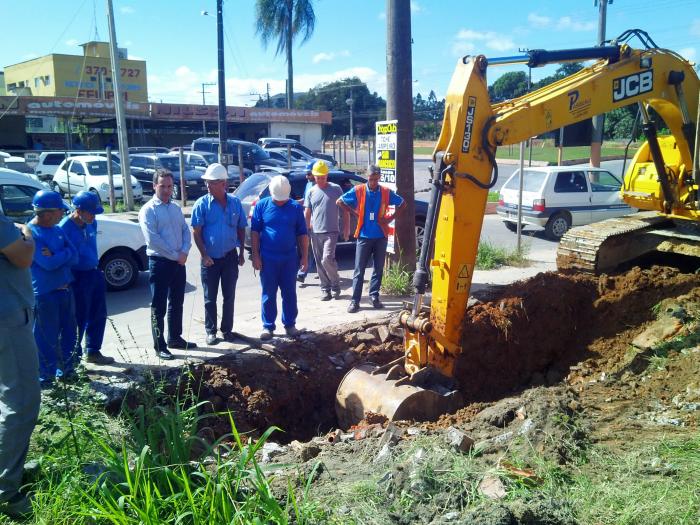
(662, 181)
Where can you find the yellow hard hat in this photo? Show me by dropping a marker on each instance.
(320, 169)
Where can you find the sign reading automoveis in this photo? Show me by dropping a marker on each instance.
(82, 108)
(238, 114)
(65, 106)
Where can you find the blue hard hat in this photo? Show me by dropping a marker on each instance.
(88, 201)
(48, 200)
(310, 165)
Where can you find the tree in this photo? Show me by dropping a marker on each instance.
(284, 20)
(367, 107)
(428, 116)
(510, 85)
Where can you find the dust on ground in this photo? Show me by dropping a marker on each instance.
(548, 364)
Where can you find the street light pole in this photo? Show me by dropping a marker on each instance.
(204, 103)
(221, 81)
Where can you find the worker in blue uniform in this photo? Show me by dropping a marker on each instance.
(89, 287)
(54, 313)
(278, 236)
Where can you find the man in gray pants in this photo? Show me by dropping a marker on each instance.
(20, 394)
(321, 212)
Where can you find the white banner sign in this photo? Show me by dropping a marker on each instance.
(386, 160)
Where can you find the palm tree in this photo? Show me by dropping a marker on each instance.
(284, 20)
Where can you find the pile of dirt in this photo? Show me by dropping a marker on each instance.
(538, 332)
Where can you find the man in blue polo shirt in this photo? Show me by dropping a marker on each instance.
(54, 311)
(278, 235)
(370, 204)
(89, 288)
(218, 227)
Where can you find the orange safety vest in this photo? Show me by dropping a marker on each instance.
(361, 193)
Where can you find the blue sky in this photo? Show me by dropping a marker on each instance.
(179, 44)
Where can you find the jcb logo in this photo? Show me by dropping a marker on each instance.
(633, 85)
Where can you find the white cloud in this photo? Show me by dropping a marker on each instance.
(565, 23)
(538, 21)
(465, 41)
(72, 42)
(323, 57)
(126, 10)
(415, 7)
(184, 85)
(688, 53)
(695, 27)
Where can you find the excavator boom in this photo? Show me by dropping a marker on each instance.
(465, 168)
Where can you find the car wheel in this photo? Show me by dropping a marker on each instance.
(557, 226)
(420, 233)
(55, 187)
(511, 226)
(120, 269)
(176, 192)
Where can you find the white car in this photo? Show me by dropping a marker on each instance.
(559, 197)
(89, 172)
(120, 244)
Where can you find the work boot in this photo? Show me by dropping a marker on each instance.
(229, 337)
(336, 294)
(353, 307)
(376, 303)
(266, 335)
(326, 295)
(181, 344)
(212, 339)
(301, 277)
(96, 358)
(18, 507)
(165, 355)
(293, 331)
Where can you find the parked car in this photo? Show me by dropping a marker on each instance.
(149, 149)
(276, 142)
(281, 155)
(120, 244)
(17, 164)
(558, 197)
(255, 188)
(298, 155)
(200, 160)
(144, 165)
(89, 172)
(49, 161)
(253, 155)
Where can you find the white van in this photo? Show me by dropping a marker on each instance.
(558, 197)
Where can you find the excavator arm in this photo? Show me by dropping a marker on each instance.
(465, 168)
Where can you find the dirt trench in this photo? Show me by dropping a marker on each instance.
(531, 333)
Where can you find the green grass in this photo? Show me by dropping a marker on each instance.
(148, 466)
(120, 207)
(397, 279)
(493, 196)
(491, 256)
(547, 153)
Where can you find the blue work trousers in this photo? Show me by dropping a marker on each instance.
(167, 280)
(279, 272)
(55, 334)
(224, 271)
(366, 248)
(89, 292)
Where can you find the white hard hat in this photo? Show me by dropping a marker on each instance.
(215, 171)
(280, 188)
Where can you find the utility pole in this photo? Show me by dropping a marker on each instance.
(599, 120)
(268, 95)
(223, 149)
(350, 102)
(399, 106)
(119, 107)
(204, 103)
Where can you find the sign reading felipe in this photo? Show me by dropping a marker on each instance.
(386, 160)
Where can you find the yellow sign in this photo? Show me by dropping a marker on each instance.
(463, 279)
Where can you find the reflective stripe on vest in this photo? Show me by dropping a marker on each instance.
(361, 193)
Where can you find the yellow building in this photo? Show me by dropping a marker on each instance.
(84, 77)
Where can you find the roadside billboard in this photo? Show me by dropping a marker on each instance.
(385, 141)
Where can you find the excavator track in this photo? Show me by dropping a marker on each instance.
(602, 246)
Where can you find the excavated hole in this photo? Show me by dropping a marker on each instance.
(528, 333)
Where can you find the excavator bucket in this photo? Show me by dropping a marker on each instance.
(364, 389)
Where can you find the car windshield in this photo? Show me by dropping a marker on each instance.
(169, 163)
(251, 188)
(254, 150)
(532, 181)
(19, 166)
(99, 167)
(209, 157)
